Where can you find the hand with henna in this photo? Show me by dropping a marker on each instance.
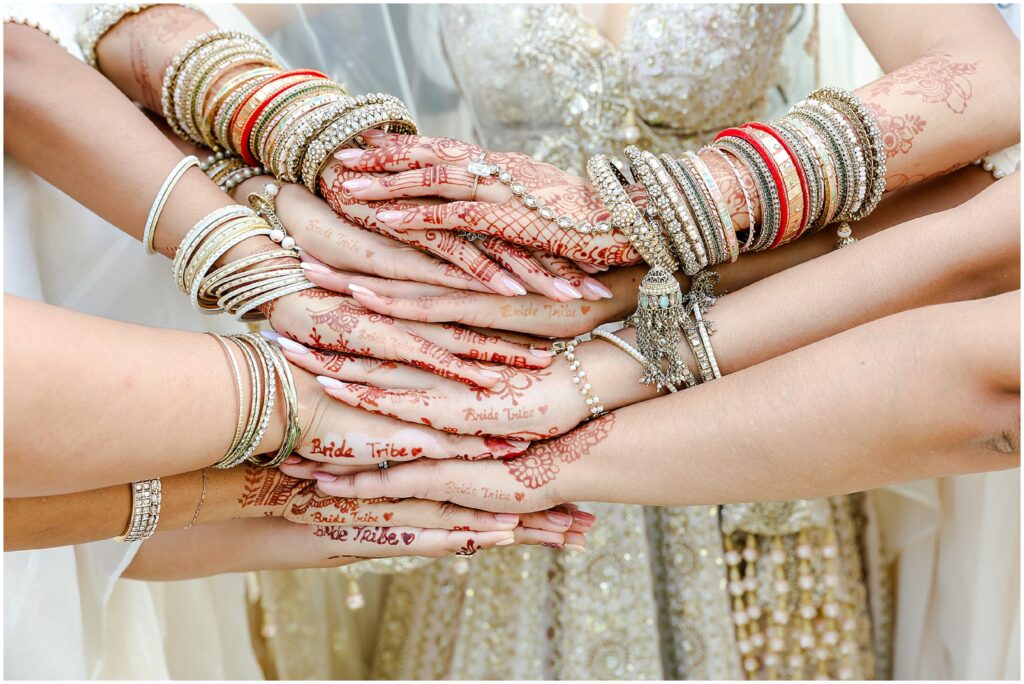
(525, 404)
(436, 167)
(489, 264)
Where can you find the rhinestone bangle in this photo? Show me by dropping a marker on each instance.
(146, 499)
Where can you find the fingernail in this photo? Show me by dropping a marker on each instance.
(315, 268)
(488, 373)
(566, 288)
(584, 518)
(560, 519)
(292, 459)
(506, 542)
(270, 335)
(362, 290)
(354, 185)
(551, 545)
(600, 267)
(576, 547)
(389, 215)
(324, 477)
(542, 353)
(594, 286)
(507, 518)
(291, 345)
(373, 133)
(330, 383)
(512, 284)
(348, 156)
(518, 444)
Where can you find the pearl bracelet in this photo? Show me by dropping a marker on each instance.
(579, 377)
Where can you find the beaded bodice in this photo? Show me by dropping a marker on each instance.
(541, 79)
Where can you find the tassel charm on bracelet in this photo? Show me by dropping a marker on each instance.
(658, 317)
(264, 204)
(845, 235)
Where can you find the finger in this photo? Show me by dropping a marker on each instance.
(475, 345)
(315, 508)
(349, 436)
(444, 180)
(401, 152)
(419, 351)
(529, 270)
(385, 542)
(457, 215)
(307, 469)
(534, 537)
(444, 481)
(552, 520)
(591, 268)
(591, 288)
(350, 368)
(575, 541)
(338, 281)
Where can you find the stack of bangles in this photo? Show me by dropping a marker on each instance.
(824, 162)
(226, 91)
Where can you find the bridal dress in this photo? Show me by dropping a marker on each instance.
(67, 615)
(653, 597)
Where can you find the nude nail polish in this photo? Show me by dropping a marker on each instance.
(314, 268)
(488, 373)
(390, 215)
(506, 542)
(355, 185)
(542, 353)
(323, 477)
(566, 288)
(576, 547)
(596, 287)
(560, 519)
(270, 335)
(293, 459)
(359, 289)
(513, 285)
(348, 156)
(291, 345)
(507, 518)
(518, 444)
(330, 383)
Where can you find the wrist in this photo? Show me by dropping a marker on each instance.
(614, 375)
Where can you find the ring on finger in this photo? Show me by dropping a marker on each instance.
(480, 169)
(384, 465)
(470, 235)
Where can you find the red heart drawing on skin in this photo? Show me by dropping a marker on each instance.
(416, 451)
(520, 496)
(407, 537)
(585, 309)
(389, 516)
(543, 409)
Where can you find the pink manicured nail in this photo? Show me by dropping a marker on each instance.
(270, 335)
(513, 285)
(330, 383)
(373, 133)
(354, 185)
(506, 542)
(324, 477)
(519, 444)
(560, 519)
(390, 215)
(291, 345)
(315, 268)
(348, 156)
(601, 268)
(542, 353)
(583, 517)
(293, 459)
(566, 288)
(576, 547)
(361, 290)
(488, 373)
(507, 518)
(595, 286)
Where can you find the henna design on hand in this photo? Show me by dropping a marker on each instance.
(540, 465)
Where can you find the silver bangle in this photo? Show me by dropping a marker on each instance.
(146, 499)
(161, 199)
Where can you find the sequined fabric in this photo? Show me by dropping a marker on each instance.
(650, 600)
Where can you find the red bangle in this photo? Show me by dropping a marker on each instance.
(773, 168)
(245, 148)
(243, 103)
(799, 172)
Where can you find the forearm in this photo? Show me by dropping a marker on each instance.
(93, 152)
(951, 92)
(230, 546)
(128, 403)
(862, 409)
(62, 520)
(968, 252)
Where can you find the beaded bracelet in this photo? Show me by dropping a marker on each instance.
(634, 353)
(579, 377)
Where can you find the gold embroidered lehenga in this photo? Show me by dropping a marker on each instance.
(704, 592)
